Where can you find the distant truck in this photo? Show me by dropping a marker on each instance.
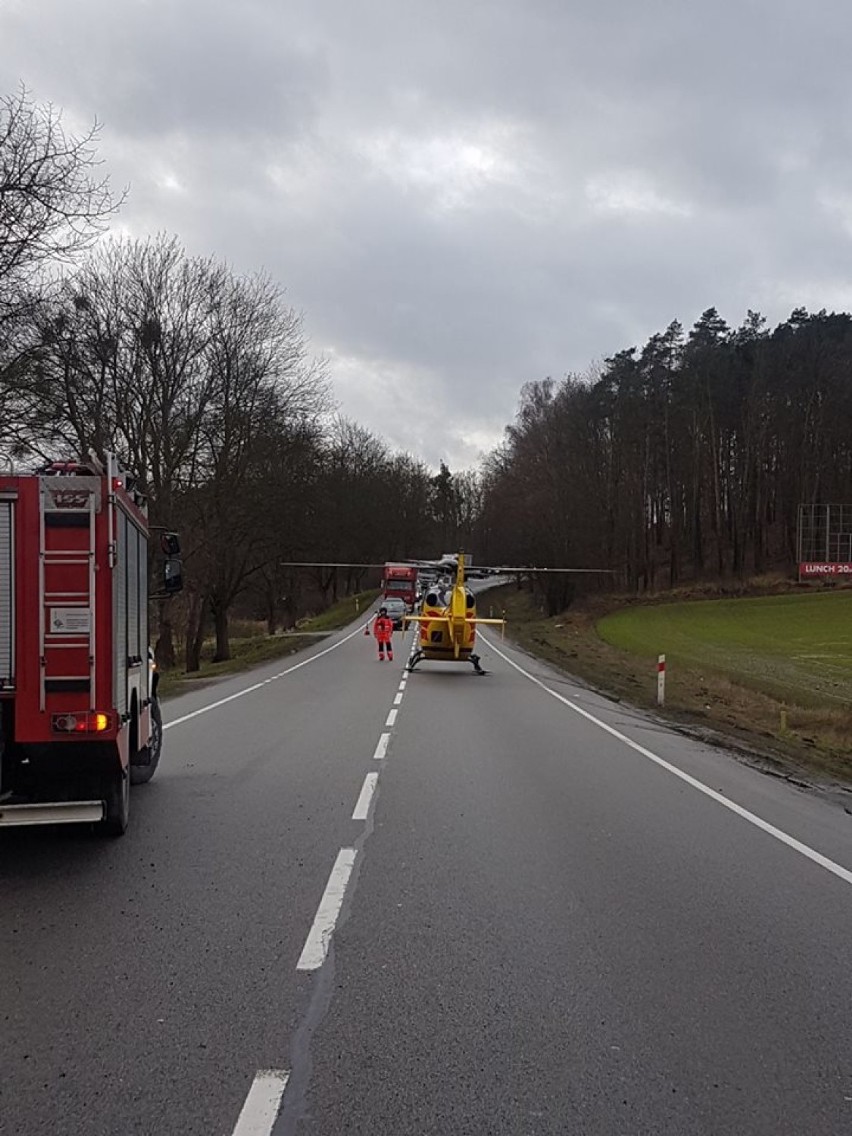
(449, 562)
(400, 580)
(79, 714)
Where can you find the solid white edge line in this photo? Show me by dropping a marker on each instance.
(264, 682)
(391, 717)
(752, 818)
(397, 698)
(381, 747)
(362, 805)
(260, 1110)
(319, 937)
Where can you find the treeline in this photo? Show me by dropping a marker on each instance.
(202, 381)
(684, 459)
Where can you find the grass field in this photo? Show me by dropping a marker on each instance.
(771, 672)
(797, 648)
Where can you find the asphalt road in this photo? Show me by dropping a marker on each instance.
(553, 915)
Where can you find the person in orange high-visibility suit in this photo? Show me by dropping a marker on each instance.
(383, 631)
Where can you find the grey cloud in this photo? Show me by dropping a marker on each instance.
(152, 68)
(465, 197)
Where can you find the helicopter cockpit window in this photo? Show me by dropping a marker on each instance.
(469, 598)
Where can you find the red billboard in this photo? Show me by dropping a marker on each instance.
(817, 568)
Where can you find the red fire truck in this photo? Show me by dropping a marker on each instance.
(400, 580)
(79, 714)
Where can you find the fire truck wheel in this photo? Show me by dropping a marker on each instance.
(142, 774)
(117, 798)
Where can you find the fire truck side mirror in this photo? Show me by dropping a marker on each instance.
(170, 544)
(173, 575)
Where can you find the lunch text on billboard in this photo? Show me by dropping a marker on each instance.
(812, 568)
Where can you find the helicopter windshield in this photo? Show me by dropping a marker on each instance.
(442, 596)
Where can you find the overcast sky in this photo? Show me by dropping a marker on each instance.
(463, 195)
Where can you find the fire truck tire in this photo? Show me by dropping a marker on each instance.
(117, 799)
(142, 774)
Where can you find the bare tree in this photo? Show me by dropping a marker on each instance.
(53, 204)
(265, 389)
(121, 363)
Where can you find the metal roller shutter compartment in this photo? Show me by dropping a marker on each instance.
(120, 613)
(7, 593)
(133, 591)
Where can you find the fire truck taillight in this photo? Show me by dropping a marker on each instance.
(83, 723)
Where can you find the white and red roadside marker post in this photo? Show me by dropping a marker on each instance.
(661, 680)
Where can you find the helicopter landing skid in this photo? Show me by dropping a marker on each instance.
(418, 656)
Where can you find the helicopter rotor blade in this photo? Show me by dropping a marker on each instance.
(507, 570)
(325, 564)
(471, 571)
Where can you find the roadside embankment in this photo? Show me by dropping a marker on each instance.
(249, 651)
(771, 674)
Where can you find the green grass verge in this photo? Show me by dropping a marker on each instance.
(796, 648)
(252, 651)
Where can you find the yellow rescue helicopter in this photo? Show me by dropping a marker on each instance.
(448, 622)
(448, 618)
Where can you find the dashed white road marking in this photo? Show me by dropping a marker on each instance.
(391, 717)
(260, 1110)
(397, 698)
(362, 806)
(265, 682)
(319, 937)
(381, 747)
(752, 818)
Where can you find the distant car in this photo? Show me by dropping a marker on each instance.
(396, 609)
